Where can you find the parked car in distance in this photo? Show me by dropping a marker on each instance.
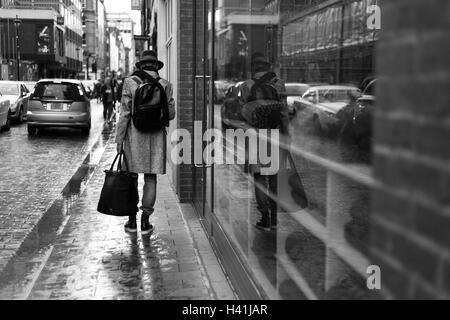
(59, 103)
(5, 121)
(220, 89)
(294, 93)
(18, 95)
(324, 102)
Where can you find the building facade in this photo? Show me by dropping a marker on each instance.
(124, 25)
(375, 222)
(94, 35)
(57, 26)
(117, 52)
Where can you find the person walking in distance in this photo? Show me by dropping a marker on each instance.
(97, 91)
(146, 108)
(108, 98)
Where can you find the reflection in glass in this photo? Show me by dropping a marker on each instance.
(322, 54)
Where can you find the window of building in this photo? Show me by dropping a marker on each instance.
(302, 232)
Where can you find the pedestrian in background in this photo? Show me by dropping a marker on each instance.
(108, 98)
(119, 88)
(145, 151)
(97, 91)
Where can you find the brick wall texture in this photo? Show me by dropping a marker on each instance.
(187, 111)
(185, 91)
(410, 223)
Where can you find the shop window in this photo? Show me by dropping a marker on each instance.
(303, 232)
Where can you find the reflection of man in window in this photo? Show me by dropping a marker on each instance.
(265, 184)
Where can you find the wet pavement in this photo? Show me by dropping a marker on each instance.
(74, 252)
(33, 172)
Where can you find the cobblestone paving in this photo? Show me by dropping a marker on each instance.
(93, 258)
(33, 172)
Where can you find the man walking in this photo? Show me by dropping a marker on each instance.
(145, 151)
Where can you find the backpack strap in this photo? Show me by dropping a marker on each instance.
(258, 82)
(136, 79)
(144, 76)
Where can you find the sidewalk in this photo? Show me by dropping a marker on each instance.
(93, 258)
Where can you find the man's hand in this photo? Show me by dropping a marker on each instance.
(119, 147)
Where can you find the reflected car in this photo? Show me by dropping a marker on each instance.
(59, 103)
(18, 95)
(363, 115)
(5, 121)
(325, 102)
(294, 93)
(220, 89)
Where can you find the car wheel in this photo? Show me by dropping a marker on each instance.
(7, 126)
(318, 130)
(20, 115)
(85, 131)
(32, 130)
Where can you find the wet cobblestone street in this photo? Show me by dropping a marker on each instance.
(33, 173)
(73, 252)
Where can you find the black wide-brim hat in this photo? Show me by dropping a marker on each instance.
(149, 56)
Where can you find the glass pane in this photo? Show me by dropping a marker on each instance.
(302, 70)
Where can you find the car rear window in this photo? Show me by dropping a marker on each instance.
(9, 89)
(58, 91)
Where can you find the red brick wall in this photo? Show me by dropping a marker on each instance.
(410, 227)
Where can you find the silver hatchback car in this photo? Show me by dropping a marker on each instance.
(59, 103)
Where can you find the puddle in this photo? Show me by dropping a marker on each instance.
(17, 279)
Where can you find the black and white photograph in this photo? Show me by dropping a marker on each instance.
(224, 151)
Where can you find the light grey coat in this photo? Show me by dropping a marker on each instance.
(145, 152)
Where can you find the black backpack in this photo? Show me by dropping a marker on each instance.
(149, 115)
(263, 107)
(264, 89)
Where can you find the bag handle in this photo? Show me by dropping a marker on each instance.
(120, 155)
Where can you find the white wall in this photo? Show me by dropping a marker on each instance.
(168, 45)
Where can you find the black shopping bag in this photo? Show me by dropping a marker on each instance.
(119, 196)
(291, 192)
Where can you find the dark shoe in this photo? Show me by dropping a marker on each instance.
(263, 224)
(131, 226)
(146, 226)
